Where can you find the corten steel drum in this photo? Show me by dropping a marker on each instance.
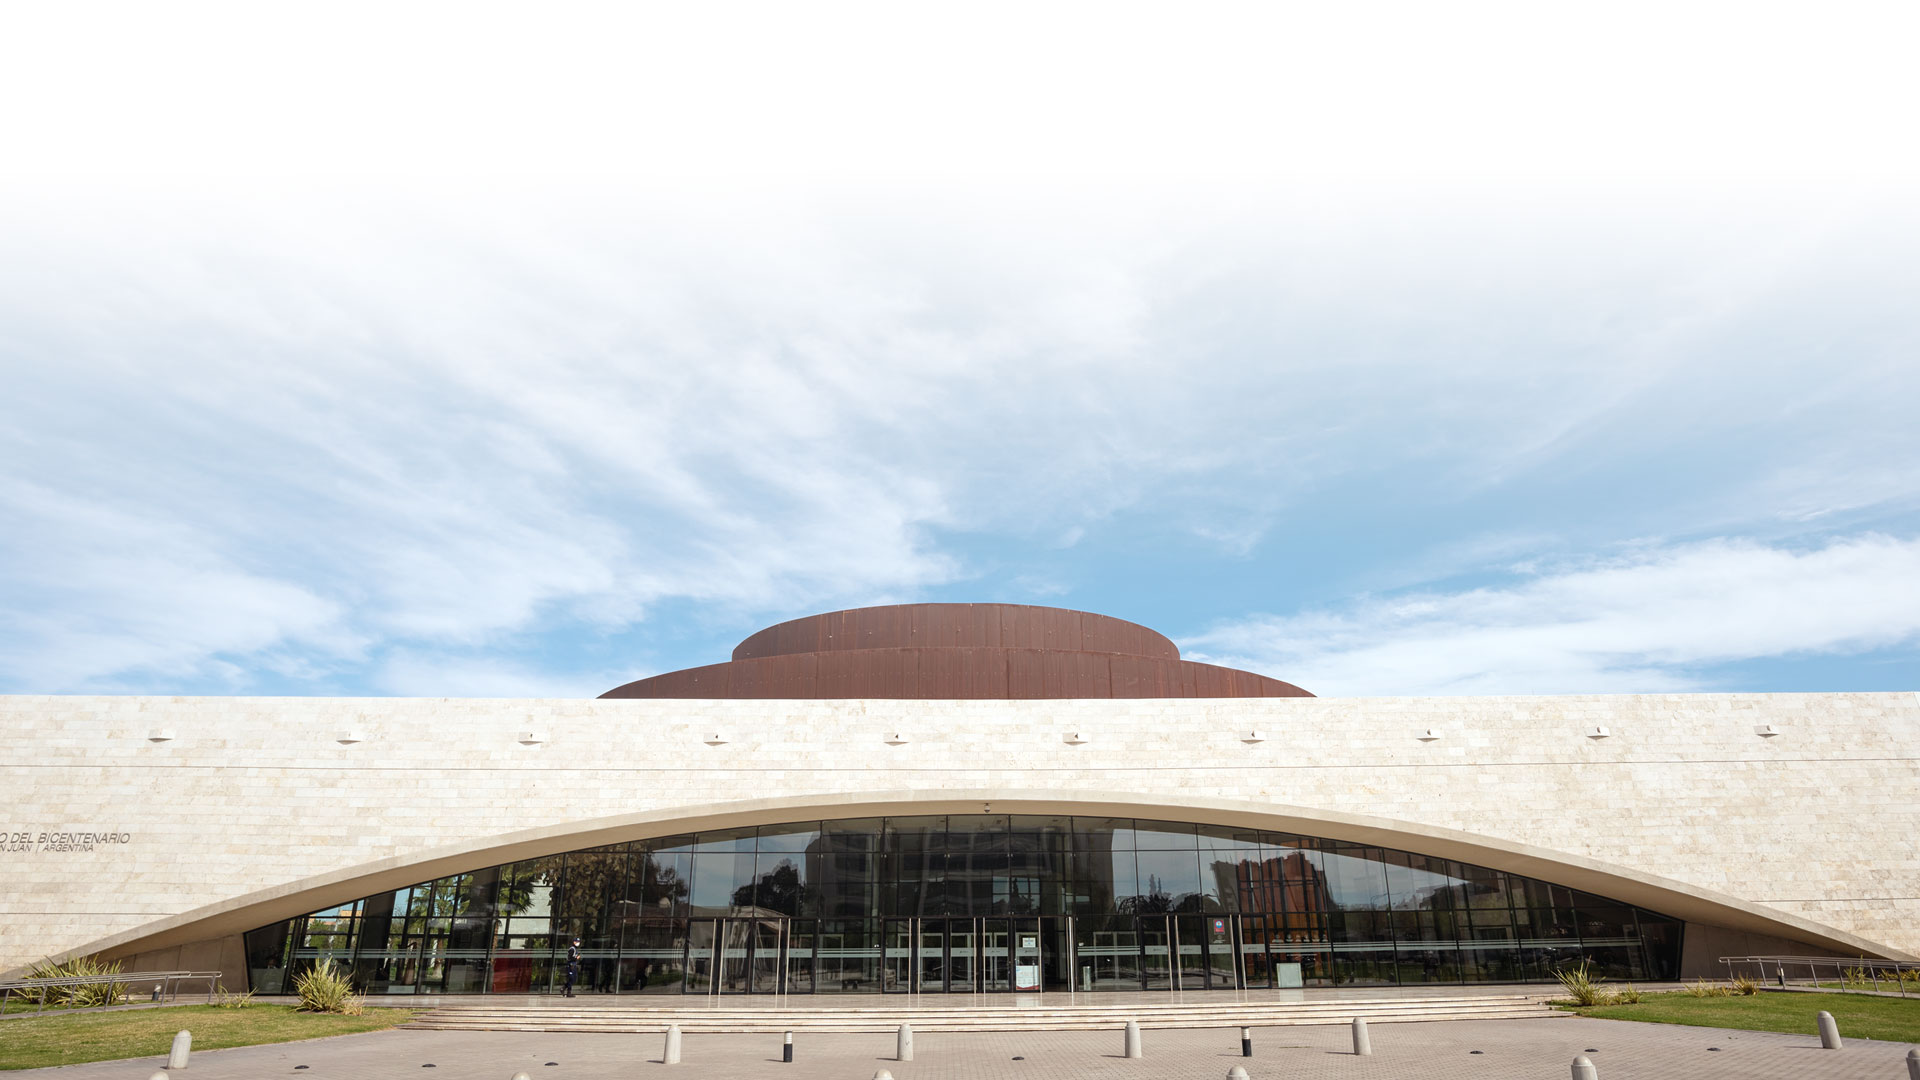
(957, 652)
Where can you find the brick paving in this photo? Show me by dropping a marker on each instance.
(1509, 1050)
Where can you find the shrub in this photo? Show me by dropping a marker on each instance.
(1745, 985)
(326, 988)
(227, 999)
(1629, 996)
(77, 997)
(1581, 985)
(1701, 988)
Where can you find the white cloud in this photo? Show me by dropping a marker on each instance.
(442, 425)
(416, 673)
(1649, 620)
(97, 592)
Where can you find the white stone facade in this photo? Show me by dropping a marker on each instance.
(210, 816)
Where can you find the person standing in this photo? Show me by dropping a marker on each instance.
(573, 965)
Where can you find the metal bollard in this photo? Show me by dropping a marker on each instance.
(1246, 1042)
(672, 1054)
(158, 1075)
(1913, 1065)
(182, 1046)
(521, 1076)
(883, 1075)
(1829, 1032)
(1236, 1073)
(1362, 1045)
(1584, 1070)
(1133, 1039)
(903, 1044)
(786, 1049)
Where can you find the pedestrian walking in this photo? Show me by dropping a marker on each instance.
(573, 965)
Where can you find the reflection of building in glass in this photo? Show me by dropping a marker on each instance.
(1109, 903)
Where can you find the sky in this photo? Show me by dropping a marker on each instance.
(474, 350)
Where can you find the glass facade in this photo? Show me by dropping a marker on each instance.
(973, 903)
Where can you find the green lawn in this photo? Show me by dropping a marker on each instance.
(1859, 1016)
(22, 1005)
(1886, 986)
(69, 1038)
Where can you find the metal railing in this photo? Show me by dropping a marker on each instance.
(1829, 973)
(166, 984)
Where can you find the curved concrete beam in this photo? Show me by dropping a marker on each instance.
(1664, 895)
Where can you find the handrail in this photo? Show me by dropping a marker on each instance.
(166, 983)
(1851, 972)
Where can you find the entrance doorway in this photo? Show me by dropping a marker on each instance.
(971, 955)
(738, 956)
(1187, 952)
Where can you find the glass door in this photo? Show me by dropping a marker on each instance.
(1256, 970)
(963, 947)
(1156, 951)
(701, 935)
(1056, 954)
(735, 937)
(996, 971)
(931, 971)
(1026, 955)
(1219, 942)
(1190, 951)
(800, 938)
(896, 959)
(769, 949)
(849, 957)
(1107, 949)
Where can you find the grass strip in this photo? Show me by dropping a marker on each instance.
(70, 1038)
(1859, 1016)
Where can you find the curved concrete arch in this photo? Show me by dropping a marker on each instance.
(1665, 895)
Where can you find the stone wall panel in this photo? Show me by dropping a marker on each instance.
(1818, 822)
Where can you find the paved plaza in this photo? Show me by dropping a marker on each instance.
(1507, 1050)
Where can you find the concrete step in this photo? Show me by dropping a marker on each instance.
(619, 1020)
(838, 1015)
(798, 1006)
(1136, 1010)
(886, 1006)
(1008, 1025)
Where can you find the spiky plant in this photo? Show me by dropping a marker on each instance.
(78, 997)
(326, 988)
(1580, 984)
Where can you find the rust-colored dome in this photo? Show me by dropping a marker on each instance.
(957, 651)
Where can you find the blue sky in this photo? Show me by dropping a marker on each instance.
(1416, 356)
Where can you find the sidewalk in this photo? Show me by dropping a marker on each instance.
(1506, 1050)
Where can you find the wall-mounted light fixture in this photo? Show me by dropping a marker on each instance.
(160, 734)
(350, 736)
(1428, 734)
(716, 739)
(1075, 738)
(1766, 731)
(529, 738)
(896, 738)
(1598, 732)
(1253, 736)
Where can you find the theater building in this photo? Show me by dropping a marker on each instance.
(959, 799)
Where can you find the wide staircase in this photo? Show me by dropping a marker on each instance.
(886, 1014)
